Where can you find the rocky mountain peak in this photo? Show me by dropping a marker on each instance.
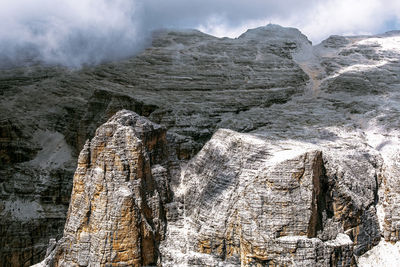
(274, 32)
(271, 119)
(116, 213)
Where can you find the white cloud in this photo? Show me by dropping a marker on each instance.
(75, 32)
(320, 19)
(69, 32)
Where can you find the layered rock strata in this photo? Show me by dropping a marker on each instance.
(249, 202)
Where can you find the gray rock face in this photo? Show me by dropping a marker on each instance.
(243, 200)
(339, 98)
(248, 201)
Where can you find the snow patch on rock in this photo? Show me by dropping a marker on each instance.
(385, 254)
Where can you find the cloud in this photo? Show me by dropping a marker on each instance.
(316, 19)
(77, 32)
(70, 32)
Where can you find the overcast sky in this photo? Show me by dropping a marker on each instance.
(76, 32)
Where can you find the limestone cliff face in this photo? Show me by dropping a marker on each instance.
(242, 201)
(116, 213)
(251, 202)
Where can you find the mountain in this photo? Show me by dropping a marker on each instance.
(276, 151)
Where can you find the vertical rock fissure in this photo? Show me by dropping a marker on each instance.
(318, 205)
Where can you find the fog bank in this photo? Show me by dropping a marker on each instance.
(78, 32)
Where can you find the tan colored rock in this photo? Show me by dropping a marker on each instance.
(391, 202)
(116, 212)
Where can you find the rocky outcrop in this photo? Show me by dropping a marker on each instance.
(243, 200)
(247, 201)
(101, 106)
(36, 167)
(116, 213)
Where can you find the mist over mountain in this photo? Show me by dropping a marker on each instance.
(75, 33)
(133, 134)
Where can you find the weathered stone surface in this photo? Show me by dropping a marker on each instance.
(116, 213)
(34, 197)
(36, 169)
(249, 201)
(101, 106)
